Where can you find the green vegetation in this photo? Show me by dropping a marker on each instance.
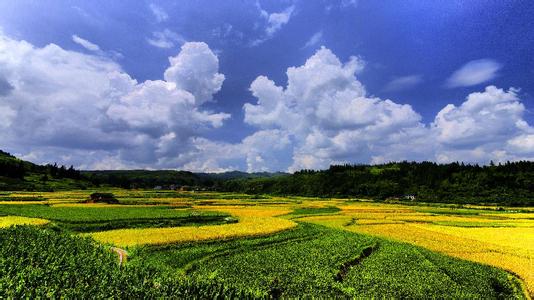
(314, 261)
(510, 184)
(89, 219)
(37, 263)
(16, 174)
(315, 210)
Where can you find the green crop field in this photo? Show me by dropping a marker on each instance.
(223, 245)
(314, 261)
(88, 219)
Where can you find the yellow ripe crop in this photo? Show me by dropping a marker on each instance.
(252, 222)
(519, 237)
(471, 237)
(20, 202)
(16, 220)
(248, 211)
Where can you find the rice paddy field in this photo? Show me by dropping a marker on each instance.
(216, 245)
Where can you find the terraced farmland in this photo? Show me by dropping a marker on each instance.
(210, 244)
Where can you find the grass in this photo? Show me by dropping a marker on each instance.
(315, 210)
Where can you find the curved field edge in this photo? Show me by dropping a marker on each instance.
(251, 222)
(42, 263)
(88, 218)
(516, 262)
(305, 262)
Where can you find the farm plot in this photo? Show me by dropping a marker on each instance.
(489, 238)
(38, 263)
(253, 221)
(314, 261)
(8, 221)
(82, 218)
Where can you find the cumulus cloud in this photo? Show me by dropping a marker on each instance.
(83, 109)
(65, 105)
(403, 83)
(165, 39)
(314, 39)
(264, 150)
(473, 73)
(329, 118)
(158, 12)
(489, 125)
(85, 43)
(195, 70)
(328, 114)
(5, 87)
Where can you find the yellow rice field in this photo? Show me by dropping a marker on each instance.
(507, 247)
(15, 220)
(477, 233)
(254, 221)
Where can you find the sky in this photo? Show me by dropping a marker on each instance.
(213, 86)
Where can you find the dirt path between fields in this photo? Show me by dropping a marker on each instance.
(123, 255)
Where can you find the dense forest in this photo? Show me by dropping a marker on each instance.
(511, 183)
(166, 178)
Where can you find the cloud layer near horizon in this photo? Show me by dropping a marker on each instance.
(83, 109)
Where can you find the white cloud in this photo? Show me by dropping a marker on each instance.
(523, 144)
(329, 118)
(85, 43)
(340, 4)
(489, 125)
(158, 12)
(403, 83)
(273, 22)
(83, 109)
(165, 39)
(327, 112)
(314, 39)
(473, 73)
(487, 116)
(195, 70)
(95, 48)
(277, 20)
(349, 3)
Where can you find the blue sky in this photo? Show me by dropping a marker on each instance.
(424, 56)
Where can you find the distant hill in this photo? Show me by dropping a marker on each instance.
(144, 178)
(167, 178)
(17, 174)
(511, 183)
(238, 174)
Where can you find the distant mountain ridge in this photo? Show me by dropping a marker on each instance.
(239, 174)
(510, 184)
(17, 174)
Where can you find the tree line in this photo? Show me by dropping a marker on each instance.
(510, 183)
(12, 167)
